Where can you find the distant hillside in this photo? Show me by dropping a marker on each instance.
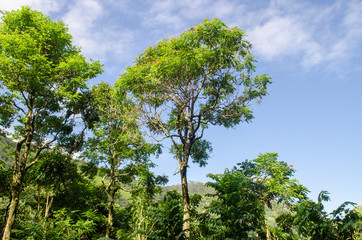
(5, 150)
(194, 187)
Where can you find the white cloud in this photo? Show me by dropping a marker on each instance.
(82, 17)
(45, 6)
(278, 36)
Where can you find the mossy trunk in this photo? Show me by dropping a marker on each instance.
(111, 190)
(14, 202)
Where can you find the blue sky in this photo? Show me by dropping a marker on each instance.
(312, 50)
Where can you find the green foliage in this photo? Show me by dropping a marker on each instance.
(118, 145)
(170, 216)
(65, 225)
(200, 152)
(237, 206)
(116, 137)
(54, 169)
(312, 220)
(166, 218)
(6, 161)
(89, 169)
(285, 228)
(147, 184)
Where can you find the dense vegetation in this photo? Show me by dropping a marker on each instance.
(75, 162)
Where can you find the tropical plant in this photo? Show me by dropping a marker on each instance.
(313, 221)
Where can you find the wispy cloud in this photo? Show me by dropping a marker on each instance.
(279, 36)
(98, 36)
(82, 16)
(176, 16)
(310, 34)
(314, 34)
(350, 38)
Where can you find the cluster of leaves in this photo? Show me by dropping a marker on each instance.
(245, 194)
(237, 207)
(313, 221)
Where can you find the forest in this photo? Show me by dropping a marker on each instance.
(76, 160)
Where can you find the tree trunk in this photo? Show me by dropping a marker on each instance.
(111, 190)
(48, 205)
(186, 203)
(110, 214)
(14, 202)
(268, 235)
(37, 215)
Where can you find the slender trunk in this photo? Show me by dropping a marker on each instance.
(14, 202)
(48, 205)
(185, 202)
(37, 215)
(110, 214)
(140, 223)
(268, 235)
(111, 190)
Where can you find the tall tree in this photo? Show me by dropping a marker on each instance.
(117, 142)
(186, 83)
(41, 73)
